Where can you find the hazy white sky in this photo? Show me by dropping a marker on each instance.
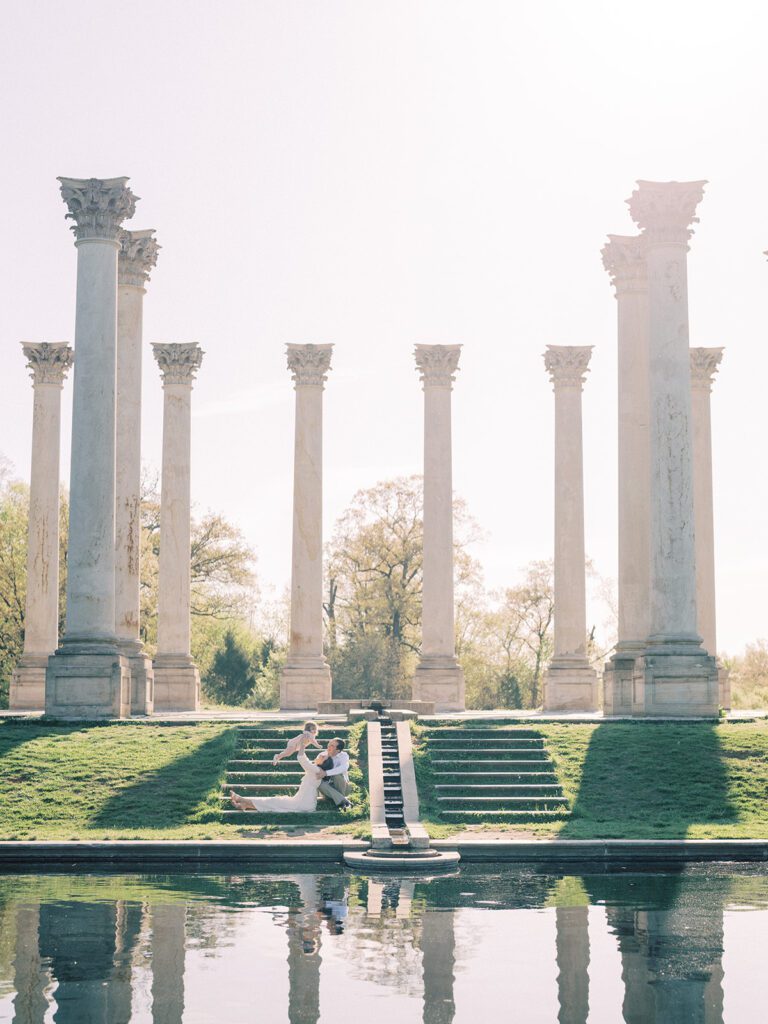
(379, 174)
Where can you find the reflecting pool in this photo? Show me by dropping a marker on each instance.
(510, 945)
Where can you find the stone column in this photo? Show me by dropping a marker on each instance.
(87, 677)
(306, 678)
(572, 948)
(177, 680)
(137, 256)
(438, 676)
(570, 683)
(624, 259)
(675, 676)
(704, 365)
(49, 365)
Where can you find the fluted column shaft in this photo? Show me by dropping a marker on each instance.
(570, 683)
(306, 678)
(138, 254)
(177, 681)
(92, 688)
(49, 365)
(438, 677)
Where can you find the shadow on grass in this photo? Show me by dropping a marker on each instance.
(650, 780)
(183, 791)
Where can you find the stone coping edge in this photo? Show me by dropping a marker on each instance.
(606, 851)
(137, 853)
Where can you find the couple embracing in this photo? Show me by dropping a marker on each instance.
(327, 774)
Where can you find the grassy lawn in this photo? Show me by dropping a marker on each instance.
(132, 781)
(644, 780)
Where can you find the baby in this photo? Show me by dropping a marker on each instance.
(299, 743)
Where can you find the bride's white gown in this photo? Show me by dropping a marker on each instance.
(304, 799)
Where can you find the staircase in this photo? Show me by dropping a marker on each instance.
(492, 774)
(250, 771)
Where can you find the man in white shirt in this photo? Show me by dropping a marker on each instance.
(336, 779)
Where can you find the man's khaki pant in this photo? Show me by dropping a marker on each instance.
(335, 788)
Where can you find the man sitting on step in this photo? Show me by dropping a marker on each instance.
(336, 779)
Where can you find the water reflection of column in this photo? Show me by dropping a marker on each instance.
(572, 946)
(638, 995)
(168, 947)
(438, 945)
(304, 956)
(127, 929)
(29, 979)
(79, 940)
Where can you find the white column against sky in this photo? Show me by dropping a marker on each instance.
(137, 256)
(570, 683)
(87, 676)
(675, 676)
(49, 364)
(624, 259)
(438, 676)
(306, 677)
(705, 363)
(177, 680)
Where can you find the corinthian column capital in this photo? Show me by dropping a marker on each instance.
(136, 257)
(665, 210)
(705, 363)
(309, 364)
(98, 206)
(624, 259)
(437, 364)
(567, 365)
(178, 363)
(49, 362)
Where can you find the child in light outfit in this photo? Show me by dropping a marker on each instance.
(299, 743)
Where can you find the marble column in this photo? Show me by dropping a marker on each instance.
(87, 677)
(704, 365)
(177, 679)
(624, 259)
(675, 676)
(572, 950)
(438, 947)
(168, 956)
(137, 256)
(49, 364)
(438, 676)
(306, 677)
(570, 683)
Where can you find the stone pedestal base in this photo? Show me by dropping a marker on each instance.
(618, 674)
(441, 681)
(570, 686)
(87, 682)
(177, 683)
(676, 683)
(724, 686)
(28, 683)
(304, 684)
(142, 677)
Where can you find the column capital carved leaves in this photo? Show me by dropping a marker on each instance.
(437, 364)
(309, 364)
(98, 206)
(705, 362)
(136, 257)
(665, 210)
(48, 361)
(624, 259)
(178, 363)
(568, 365)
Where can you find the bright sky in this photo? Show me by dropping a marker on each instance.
(380, 174)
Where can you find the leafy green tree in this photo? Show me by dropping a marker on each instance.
(232, 675)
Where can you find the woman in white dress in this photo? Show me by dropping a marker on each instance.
(302, 801)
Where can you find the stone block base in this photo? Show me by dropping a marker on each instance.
(676, 685)
(142, 684)
(81, 684)
(27, 691)
(177, 684)
(618, 674)
(570, 687)
(305, 686)
(440, 684)
(343, 707)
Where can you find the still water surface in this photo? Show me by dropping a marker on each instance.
(510, 945)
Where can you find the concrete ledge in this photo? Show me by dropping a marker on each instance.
(606, 851)
(134, 854)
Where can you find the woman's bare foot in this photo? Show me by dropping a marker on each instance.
(235, 800)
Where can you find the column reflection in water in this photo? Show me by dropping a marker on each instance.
(168, 949)
(438, 946)
(572, 946)
(303, 929)
(29, 978)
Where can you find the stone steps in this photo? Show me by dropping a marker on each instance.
(514, 764)
(499, 790)
(500, 742)
(468, 817)
(474, 802)
(464, 779)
